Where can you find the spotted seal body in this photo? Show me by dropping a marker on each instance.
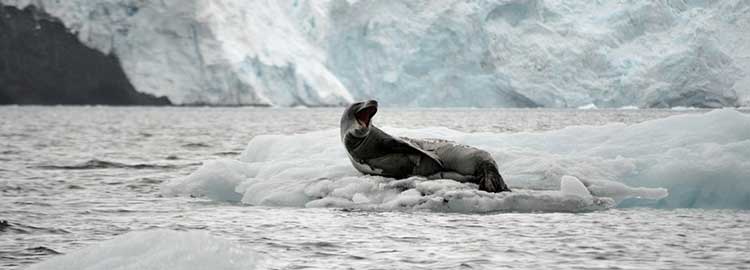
(372, 151)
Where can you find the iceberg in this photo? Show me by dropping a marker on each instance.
(509, 53)
(695, 160)
(156, 249)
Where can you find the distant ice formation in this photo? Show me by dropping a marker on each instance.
(513, 53)
(156, 249)
(681, 161)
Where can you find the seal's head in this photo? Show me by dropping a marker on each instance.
(357, 118)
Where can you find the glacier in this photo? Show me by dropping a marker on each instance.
(500, 53)
(682, 161)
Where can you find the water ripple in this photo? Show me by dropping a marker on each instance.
(103, 164)
(50, 207)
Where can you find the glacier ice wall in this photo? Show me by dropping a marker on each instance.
(551, 53)
(200, 51)
(483, 53)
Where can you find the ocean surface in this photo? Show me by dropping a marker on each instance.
(74, 177)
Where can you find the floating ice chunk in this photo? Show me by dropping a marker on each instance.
(216, 180)
(370, 192)
(696, 160)
(590, 106)
(570, 185)
(619, 191)
(156, 249)
(683, 108)
(360, 198)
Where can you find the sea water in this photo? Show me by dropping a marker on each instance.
(243, 188)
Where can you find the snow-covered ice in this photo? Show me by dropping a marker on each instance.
(552, 53)
(700, 160)
(156, 249)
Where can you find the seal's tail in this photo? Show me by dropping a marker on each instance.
(490, 179)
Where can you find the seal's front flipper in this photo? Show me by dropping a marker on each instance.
(403, 145)
(489, 179)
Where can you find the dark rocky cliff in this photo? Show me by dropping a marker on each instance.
(41, 62)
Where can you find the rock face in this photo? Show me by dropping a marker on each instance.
(41, 62)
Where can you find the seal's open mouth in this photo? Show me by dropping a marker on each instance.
(365, 114)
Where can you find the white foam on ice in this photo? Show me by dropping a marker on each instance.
(698, 160)
(156, 249)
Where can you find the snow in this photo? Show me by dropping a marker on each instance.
(156, 249)
(698, 160)
(551, 53)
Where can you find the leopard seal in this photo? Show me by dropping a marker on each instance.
(374, 152)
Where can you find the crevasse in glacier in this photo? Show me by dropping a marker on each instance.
(515, 53)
